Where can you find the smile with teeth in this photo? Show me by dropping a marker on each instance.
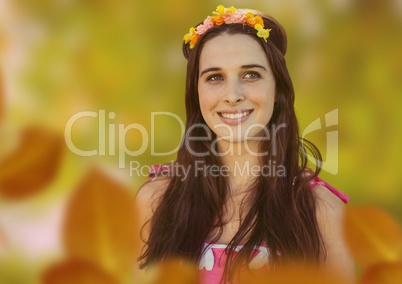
(236, 115)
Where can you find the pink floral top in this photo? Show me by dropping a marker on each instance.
(212, 262)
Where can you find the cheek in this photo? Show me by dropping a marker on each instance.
(264, 97)
(204, 108)
(207, 102)
(266, 103)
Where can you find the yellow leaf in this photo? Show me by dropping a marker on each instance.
(372, 235)
(290, 275)
(2, 103)
(77, 272)
(383, 273)
(33, 164)
(101, 225)
(176, 272)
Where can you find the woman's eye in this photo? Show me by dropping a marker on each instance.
(252, 75)
(215, 77)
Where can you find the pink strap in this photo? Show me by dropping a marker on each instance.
(317, 181)
(157, 169)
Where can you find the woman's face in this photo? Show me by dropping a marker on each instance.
(236, 87)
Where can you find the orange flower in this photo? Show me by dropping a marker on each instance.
(252, 20)
(194, 40)
(217, 20)
(191, 37)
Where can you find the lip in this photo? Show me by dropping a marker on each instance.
(223, 115)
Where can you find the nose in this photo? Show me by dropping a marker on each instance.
(233, 93)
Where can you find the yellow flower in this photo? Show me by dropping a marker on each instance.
(231, 10)
(262, 33)
(219, 10)
(187, 37)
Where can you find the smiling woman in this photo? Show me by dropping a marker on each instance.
(240, 115)
(236, 87)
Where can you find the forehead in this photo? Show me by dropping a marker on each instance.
(232, 51)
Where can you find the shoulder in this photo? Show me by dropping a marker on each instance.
(330, 213)
(155, 187)
(316, 181)
(328, 204)
(150, 192)
(147, 201)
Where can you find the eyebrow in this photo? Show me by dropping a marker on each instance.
(210, 70)
(248, 66)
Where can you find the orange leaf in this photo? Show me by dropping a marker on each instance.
(372, 235)
(290, 275)
(3, 240)
(176, 272)
(33, 165)
(101, 225)
(383, 273)
(2, 103)
(77, 272)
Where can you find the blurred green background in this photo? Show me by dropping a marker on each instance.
(59, 58)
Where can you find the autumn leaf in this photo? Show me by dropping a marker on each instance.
(292, 274)
(101, 225)
(3, 240)
(383, 273)
(33, 164)
(77, 272)
(372, 235)
(2, 102)
(176, 272)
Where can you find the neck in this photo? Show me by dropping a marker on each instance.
(243, 163)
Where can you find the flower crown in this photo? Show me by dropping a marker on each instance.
(226, 15)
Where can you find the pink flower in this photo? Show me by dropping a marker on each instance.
(235, 17)
(205, 26)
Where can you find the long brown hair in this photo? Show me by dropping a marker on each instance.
(281, 209)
